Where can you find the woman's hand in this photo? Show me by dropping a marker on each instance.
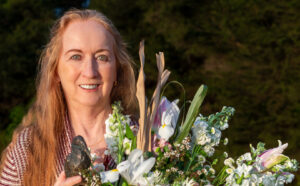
(63, 181)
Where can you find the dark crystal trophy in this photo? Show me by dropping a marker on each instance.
(79, 158)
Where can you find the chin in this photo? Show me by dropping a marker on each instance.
(92, 102)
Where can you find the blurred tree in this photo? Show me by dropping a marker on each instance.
(24, 31)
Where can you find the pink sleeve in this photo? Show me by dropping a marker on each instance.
(9, 175)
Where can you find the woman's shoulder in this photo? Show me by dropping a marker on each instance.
(16, 158)
(20, 145)
(22, 141)
(9, 173)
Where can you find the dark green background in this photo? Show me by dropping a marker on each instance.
(247, 52)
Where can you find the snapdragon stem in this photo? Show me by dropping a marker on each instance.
(220, 177)
(121, 138)
(195, 151)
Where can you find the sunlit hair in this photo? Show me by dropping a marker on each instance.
(47, 116)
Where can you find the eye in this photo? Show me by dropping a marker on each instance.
(76, 57)
(102, 58)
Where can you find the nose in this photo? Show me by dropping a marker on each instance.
(90, 68)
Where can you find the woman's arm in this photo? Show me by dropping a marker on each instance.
(9, 174)
(15, 161)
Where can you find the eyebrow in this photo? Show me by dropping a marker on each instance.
(78, 50)
(73, 50)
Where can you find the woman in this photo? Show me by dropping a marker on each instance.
(83, 70)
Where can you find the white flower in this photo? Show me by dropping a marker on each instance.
(246, 182)
(209, 150)
(112, 145)
(111, 127)
(280, 180)
(229, 162)
(165, 131)
(224, 126)
(173, 169)
(199, 172)
(230, 179)
(212, 130)
(127, 145)
(110, 140)
(189, 182)
(217, 133)
(212, 171)
(200, 123)
(240, 160)
(135, 167)
(157, 176)
(254, 178)
(268, 179)
(201, 159)
(225, 141)
(225, 154)
(288, 164)
(247, 156)
(202, 139)
(229, 170)
(203, 134)
(289, 178)
(112, 135)
(204, 171)
(244, 169)
(109, 176)
(169, 121)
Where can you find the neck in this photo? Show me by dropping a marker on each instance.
(89, 122)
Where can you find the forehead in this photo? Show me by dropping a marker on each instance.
(86, 35)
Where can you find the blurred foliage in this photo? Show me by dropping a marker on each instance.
(15, 117)
(24, 31)
(247, 52)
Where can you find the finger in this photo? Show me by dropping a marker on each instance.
(72, 180)
(61, 178)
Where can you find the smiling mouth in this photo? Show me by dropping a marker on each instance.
(89, 86)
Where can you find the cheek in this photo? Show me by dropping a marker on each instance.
(66, 73)
(109, 73)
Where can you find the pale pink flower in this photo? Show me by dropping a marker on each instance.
(274, 156)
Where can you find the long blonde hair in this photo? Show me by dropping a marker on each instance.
(47, 115)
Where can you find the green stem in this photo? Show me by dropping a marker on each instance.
(121, 138)
(220, 177)
(195, 150)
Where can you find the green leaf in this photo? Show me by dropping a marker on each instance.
(192, 113)
(107, 184)
(215, 162)
(129, 134)
(133, 144)
(166, 148)
(240, 179)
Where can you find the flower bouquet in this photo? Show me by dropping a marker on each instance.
(172, 147)
(260, 167)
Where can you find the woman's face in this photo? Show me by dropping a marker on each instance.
(87, 64)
